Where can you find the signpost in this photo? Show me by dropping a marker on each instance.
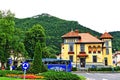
(25, 66)
(10, 63)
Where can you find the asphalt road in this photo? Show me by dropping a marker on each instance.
(100, 76)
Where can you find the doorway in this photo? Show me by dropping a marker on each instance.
(82, 62)
(106, 62)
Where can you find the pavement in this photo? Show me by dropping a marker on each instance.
(99, 76)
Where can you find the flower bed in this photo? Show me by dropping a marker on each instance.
(27, 76)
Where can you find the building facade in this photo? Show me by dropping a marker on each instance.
(85, 50)
(116, 58)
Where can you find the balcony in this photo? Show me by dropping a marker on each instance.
(82, 54)
(70, 52)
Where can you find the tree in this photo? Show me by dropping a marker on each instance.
(18, 45)
(37, 62)
(7, 31)
(33, 35)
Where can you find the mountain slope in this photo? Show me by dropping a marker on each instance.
(54, 28)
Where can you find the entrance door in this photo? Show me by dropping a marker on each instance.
(82, 62)
(106, 62)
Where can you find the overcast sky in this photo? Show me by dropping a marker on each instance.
(99, 15)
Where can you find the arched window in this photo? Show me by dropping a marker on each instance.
(94, 49)
(99, 49)
(89, 49)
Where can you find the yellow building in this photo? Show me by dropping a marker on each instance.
(85, 50)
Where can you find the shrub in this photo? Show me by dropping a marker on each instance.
(3, 73)
(52, 75)
(31, 70)
(92, 69)
(101, 69)
(104, 69)
(74, 69)
(117, 68)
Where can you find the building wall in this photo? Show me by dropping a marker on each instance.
(108, 56)
(89, 59)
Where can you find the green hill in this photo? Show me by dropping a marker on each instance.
(56, 27)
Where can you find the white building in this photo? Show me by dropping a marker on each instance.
(116, 58)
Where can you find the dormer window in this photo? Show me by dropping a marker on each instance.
(82, 47)
(70, 47)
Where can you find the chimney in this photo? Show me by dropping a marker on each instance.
(77, 31)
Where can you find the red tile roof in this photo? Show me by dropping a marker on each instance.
(88, 38)
(106, 35)
(83, 37)
(71, 34)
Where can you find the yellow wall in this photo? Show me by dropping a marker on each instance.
(89, 59)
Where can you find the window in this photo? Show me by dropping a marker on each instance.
(99, 49)
(70, 47)
(71, 58)
(89, 49)
(94, 49)
(107, 50)
(82, 47)
(106, 44)
(94, 58)
(106, 61)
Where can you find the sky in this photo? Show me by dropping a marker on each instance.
(98, 15)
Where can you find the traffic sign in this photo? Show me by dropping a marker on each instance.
(25, 65)
(114, 62)
(10, 60)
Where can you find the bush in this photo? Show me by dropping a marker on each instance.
(101, 69)
(104, 69)
(19, 68)
(3, 73)
(117, 68)
(53, 75)
(92, 69)
(31, 70)
(74, 69)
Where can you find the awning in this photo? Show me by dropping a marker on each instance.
(82, 55)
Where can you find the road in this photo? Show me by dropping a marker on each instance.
(100, 76)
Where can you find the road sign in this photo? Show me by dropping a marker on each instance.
(25, 65)
(114, 62)
(10, 60)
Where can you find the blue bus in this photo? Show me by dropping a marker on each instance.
(56, 64)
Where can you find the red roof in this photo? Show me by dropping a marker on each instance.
(88, 38)
(71, 34)
(106, 36)
(83, 37)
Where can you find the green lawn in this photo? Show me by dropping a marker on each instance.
(82, 78)
(8, 78)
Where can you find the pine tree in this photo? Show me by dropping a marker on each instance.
(37, 62)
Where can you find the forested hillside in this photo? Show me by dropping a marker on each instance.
(116, 40)
(56, 27)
